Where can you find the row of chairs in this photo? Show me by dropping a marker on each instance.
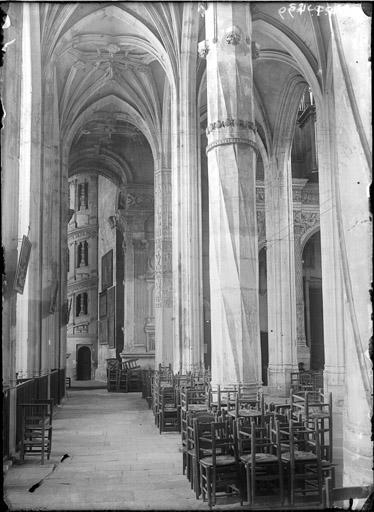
(285, 447)
(123, 376)
(246, 456)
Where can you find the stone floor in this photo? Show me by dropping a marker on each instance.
(117, 460)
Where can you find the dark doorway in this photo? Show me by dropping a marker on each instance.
(313, 304)
(84, 364)
(263, 314)
(317, 351)
(264, 357)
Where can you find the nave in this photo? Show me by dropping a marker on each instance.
(186, 184)
(108, 453)
(117, 459)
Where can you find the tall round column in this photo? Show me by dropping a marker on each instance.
(231, 154)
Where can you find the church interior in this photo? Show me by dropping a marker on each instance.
(185, 218)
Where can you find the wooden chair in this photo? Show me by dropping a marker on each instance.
(221, 398)
(198, 425)
(333, 495)
(253, 407)
(219, 472)
(260, 457)
(248, 390)
(36, 428)
(301, 459)
(169, 416)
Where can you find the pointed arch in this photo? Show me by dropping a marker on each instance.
(132, 116)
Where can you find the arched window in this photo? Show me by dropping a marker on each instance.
(83, 196)
(81, 304)
(82, 254)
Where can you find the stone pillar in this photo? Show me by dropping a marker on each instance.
(51, 226)
(232, 195)
(332, 279)
(348, 175)
(163, 300)
(129, 293)
(189, 271)
(10, 140)
(303, 351)
(281, 276)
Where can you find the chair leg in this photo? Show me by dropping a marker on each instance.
(248, 479)
(208, 486)
(292, 485)
(196, 473)
(281, 483)
(253, 483)
(202, 487)
(213, 484)
(43, 444)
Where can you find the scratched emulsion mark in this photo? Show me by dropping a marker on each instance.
(293, 10)
(38, 484)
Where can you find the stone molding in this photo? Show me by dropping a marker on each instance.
(82, 285)
(139, 201)
(231, 140)
(82, 233)
(230, 123)
(80, 329)
(163, 293)
(163, 255)
(309, 196)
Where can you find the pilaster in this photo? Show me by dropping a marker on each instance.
(303, 351)
(281, 274)
(51, 224)
(189, 267)
(163, 299)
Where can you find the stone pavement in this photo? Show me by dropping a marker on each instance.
(117, 460)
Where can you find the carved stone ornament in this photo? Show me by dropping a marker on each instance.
(112, 49)
(203, 49)
(255, 50)
(260, 194)
(310, 196)
(202, 7)
(230, 123)
(140, 201)
(305, 221)
(233, 36)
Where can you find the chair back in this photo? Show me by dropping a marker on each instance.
(194, 397)
(248, 390)
(167, 397)
(202, 434)
(242, 430)
(222, 438)
(254, 403)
